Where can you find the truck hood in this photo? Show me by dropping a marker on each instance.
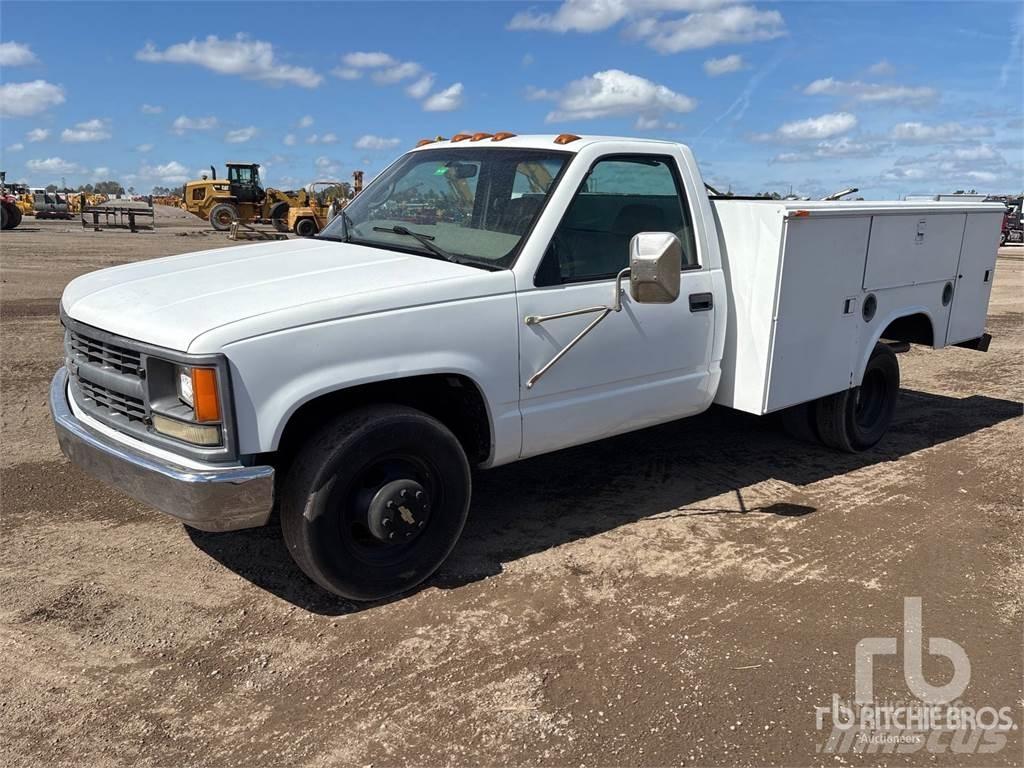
(258, 288)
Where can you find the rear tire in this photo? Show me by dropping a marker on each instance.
(856, 419)
(5, 216)
(15, 217)
(222, 215)
(1002, 239)
(377, 463)
(305, 228)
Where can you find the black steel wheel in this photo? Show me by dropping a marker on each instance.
(856, 419)
(375, 502)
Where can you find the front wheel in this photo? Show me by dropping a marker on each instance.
(376, 501)
(222, 215)
(856, 419)
(305, 228)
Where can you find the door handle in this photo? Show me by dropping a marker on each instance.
(701, 302)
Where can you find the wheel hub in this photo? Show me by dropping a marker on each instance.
(398, 512)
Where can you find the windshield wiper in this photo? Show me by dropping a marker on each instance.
(425, 240)
(346, 227)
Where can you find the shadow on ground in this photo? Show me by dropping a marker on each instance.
(543, 502)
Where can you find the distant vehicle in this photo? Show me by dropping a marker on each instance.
(488, 299)
(10, 212)
(955, 197)
(239, 197)
(1013, 229)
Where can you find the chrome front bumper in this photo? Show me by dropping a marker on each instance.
(211, 498)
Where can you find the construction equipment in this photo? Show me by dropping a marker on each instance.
(10, 213)
(243, 231)
(323, 200)
(117, 217)
(239, 197)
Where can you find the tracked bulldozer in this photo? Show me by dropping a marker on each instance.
(239, 197)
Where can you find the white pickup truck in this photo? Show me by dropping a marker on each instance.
(485, 299)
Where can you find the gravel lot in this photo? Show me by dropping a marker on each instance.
(686, 594)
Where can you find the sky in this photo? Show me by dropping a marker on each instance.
(892, 97)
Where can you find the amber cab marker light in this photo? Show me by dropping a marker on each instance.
(204, 394)
(566, 138)
(423, 142)
(801, 214)
(502, 135)
(479, 136)
(460, 136)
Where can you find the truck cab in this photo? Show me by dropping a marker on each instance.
(485, 299)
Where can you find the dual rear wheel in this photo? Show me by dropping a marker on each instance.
(855, 419)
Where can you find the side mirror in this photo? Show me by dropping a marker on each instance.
(655, 261)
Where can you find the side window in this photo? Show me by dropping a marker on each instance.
(621, 197)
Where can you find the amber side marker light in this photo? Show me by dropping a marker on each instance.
(204, 394)
(566, 138)
(422, 142)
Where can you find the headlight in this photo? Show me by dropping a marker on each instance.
(189, 409)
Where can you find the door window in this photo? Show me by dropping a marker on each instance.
(620, 197)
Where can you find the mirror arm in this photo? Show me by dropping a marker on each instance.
(605, 311)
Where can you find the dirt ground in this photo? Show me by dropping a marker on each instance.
(683, 595)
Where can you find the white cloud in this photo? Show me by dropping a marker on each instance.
(241, 135)
(881, 68)
(151, 109)
(327, 166)
(326, 138)
(370, 141)
(346, 73)
(171, 172)
(289, 139)
(420, 87)
(15, 147)
(654, 124)
(541, 94)
(821, 127)
(871, 92)
(251, 59)
(596, 15)
(37, 134)
(445, 101)
(101, 171)
(16, 55)
(90, 130)
(305, 121)
(53, 165)
(723, 66)
(732, 24)
(975, 153)
(920, 132)
(184, 124)
(26, 99)
(143, 148)
(613, 93)
(830, 148)
(397, 73)
(368, 59)
(903, 174)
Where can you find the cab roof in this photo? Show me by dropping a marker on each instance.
(532, 141)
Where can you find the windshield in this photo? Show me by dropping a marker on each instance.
(475, 205)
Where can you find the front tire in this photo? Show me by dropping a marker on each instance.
(376, 501)
(305, 228)
(222, 215)
(856, 419)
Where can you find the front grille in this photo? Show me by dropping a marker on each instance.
(107, 380)
(104, 354)
(131, 408)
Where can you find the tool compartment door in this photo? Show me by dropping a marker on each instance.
(817, 316)
(913, 248)
(975, 272)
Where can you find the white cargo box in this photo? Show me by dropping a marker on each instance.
(812, 286)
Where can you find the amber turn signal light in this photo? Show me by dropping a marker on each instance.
(206, 403)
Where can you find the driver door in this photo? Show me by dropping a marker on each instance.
(644, 365)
